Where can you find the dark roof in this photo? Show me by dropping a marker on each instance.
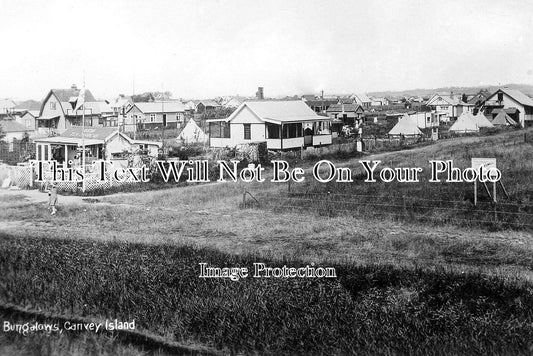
(509, 111)
(12, 126)
(28, 105)
(319, 102)
(347, 108)
(64, 95)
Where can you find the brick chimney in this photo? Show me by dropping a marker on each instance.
(260, 94)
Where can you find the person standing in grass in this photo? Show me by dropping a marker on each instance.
(52, 198)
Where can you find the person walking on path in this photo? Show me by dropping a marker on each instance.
(52, 198)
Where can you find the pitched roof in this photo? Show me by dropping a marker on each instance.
(208, 103)
(29, 105)
(320, 102)
(502, 119)
(7, 104)
(98, 107)
(406, 126)
(160, 107)
(509, 111)
(279, 111)
(64, 95)
(343, 108)
(517, 95)
(12, 126)
(95, 133)
(362, 98)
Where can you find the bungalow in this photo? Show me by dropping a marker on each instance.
(206, 105)
(28, 118)
(362, 99)
(320, 106)
(282, 124)
(57, 115)
(154, 115)
(512, 99)
(350, 114)
(379, 101)
(448, 104)
(100, 143)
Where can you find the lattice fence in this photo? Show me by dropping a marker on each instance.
(25, 177)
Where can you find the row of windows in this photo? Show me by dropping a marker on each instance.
(222, 130)
(153, 117)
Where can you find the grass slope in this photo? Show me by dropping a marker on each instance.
(366, 310)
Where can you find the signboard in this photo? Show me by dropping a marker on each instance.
(486, 163)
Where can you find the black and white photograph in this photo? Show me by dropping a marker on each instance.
(231, 177)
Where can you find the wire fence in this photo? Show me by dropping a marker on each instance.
(488, 214)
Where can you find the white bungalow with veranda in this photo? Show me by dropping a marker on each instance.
(101, 143)
(282, 125)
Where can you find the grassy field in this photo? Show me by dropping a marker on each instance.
(406, 285)
(388, 310)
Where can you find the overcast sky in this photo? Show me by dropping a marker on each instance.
(202, 49)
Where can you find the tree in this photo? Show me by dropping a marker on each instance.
(2, 132)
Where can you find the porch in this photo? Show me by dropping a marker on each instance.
(298, 134)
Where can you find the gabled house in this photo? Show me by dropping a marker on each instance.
(504, 98)
(379, 101)
(283, 125)
(363, 100)
(56, 112)
(206, 105)
(350, 114)
(100, 143)
(450, 105)
(28, 118)
(154, 115)
(479, 98)
(320, 106)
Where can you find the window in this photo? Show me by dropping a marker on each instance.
(52, 105)
(247, 132)
(292, 130)
(500, 96)
(152, 117)
(273, 131)
(179, 117)
(219, 129)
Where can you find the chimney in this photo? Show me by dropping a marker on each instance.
(74, 87)
(322, 94)
(260, 94)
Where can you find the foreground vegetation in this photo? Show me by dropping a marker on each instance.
(366, 310)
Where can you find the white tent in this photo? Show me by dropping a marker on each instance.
(467, 122)
(503, 119)
(406, 126)
(482, 120)
(192, 133)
